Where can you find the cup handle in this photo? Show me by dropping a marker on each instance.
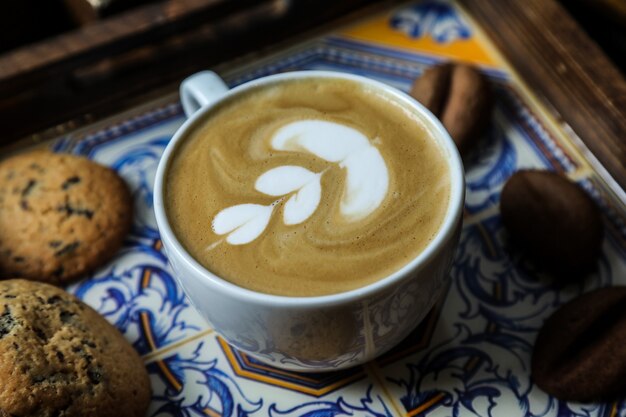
(199, 90)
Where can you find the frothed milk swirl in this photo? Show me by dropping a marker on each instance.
(307, 187)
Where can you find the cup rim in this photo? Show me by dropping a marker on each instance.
(444, 234)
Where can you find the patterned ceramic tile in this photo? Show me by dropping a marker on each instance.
(479, 357)
(137, 291)
(470, 356)
(204, 378)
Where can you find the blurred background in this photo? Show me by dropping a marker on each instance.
(66, 59)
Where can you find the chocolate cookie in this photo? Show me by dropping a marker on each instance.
(58, 357)
(554, 221)
(579, 354)
(461, 97)
(60, 216)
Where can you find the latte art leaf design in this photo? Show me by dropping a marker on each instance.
(330, 141)
(284, 180)
(244, 222)
(367, 180)
(303, 204)
(287, 179)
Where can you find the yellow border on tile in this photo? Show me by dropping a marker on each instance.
(292, 386)
(376, 30)
(425, 406)
(374, 375)
(159, 353)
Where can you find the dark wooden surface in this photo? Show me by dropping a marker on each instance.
(103, 68)
(565, 68)
(104, 38)
(107, 67)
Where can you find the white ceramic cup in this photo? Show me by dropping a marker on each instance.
(320, 333)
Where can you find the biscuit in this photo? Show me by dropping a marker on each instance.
(60, 216)
(579, 354)
(461, 97)
(59, 357)
(553, 221)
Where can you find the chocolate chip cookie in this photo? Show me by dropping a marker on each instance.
(60, 216)
(58, 357)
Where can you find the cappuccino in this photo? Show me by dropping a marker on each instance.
(307, 187)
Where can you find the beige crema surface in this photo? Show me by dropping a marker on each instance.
(218, 164)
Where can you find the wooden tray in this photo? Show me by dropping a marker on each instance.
(471, 355)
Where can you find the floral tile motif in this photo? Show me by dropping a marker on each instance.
(478, 362)
(315, 385)
(138, 294)
(190, 382)
(198, 379)
(434, 28)
(470, 356)
(431, 18)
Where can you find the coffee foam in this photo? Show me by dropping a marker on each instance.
(307, 188)
(367, 180)
(366, 184)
